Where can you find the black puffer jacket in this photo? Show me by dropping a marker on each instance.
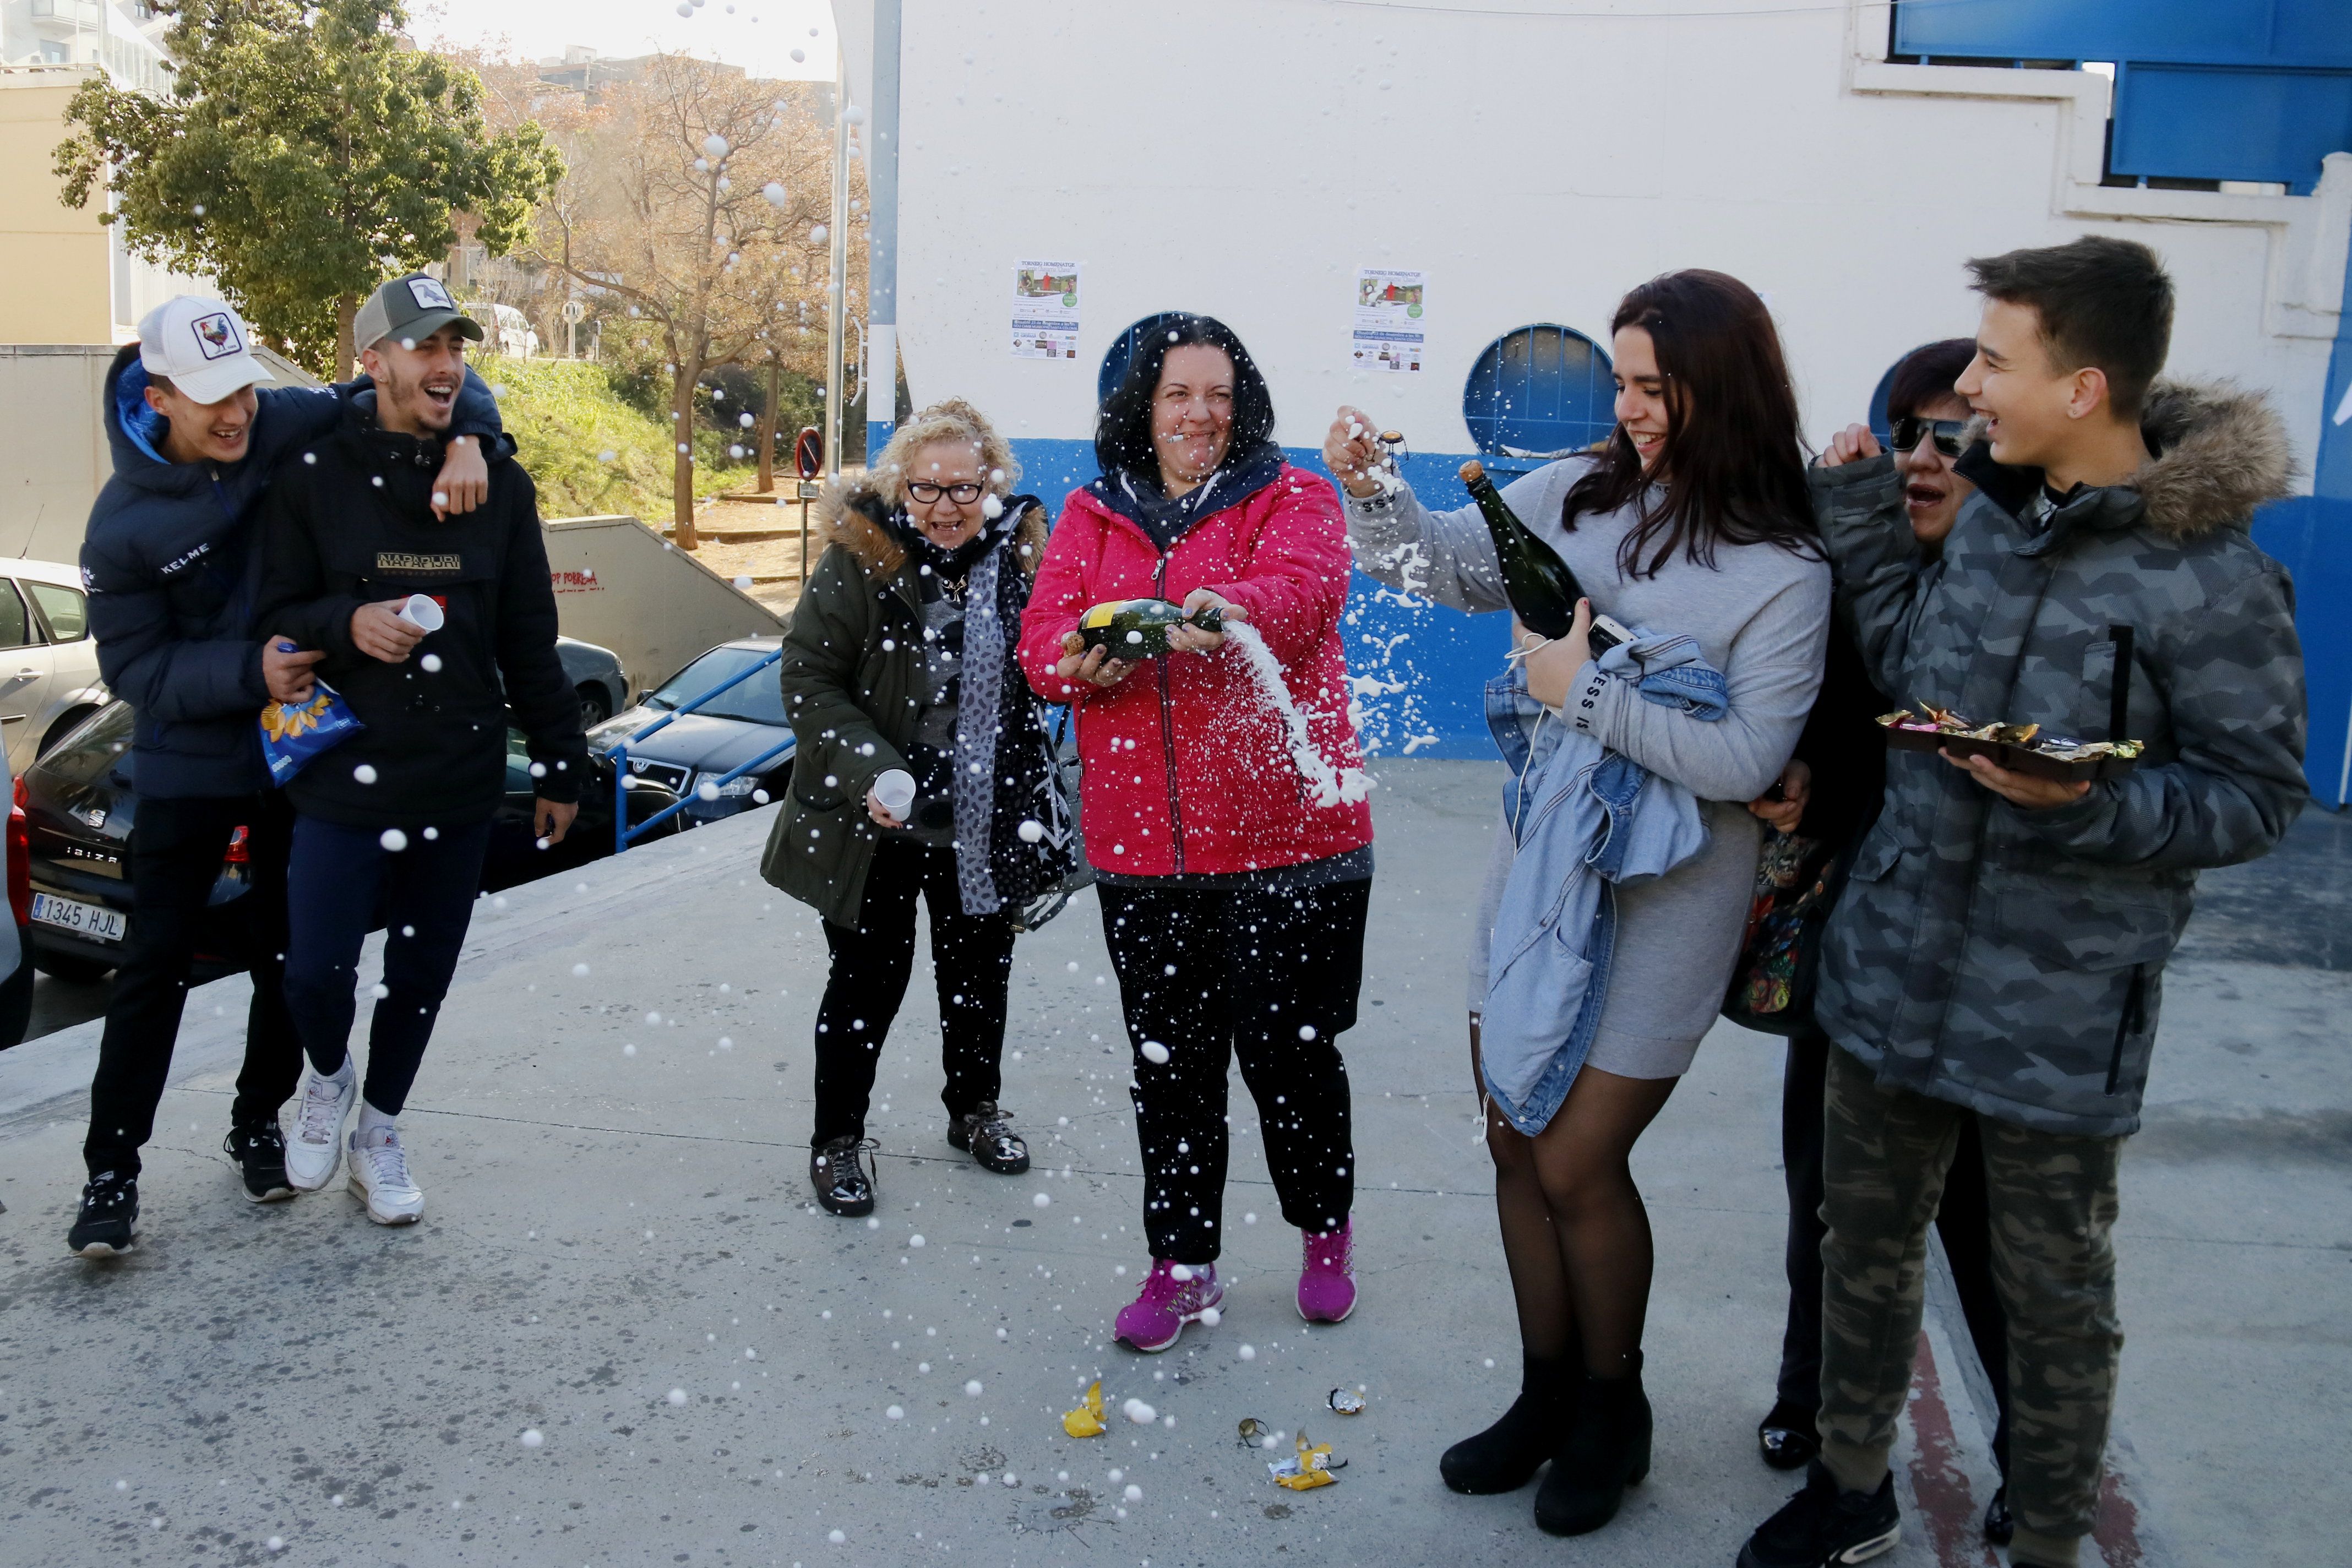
(351, 523)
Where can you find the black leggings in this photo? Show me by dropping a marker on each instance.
(1963, 1222)
(1271, 976)
(971, 956)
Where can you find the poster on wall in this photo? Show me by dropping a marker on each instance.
(1044, 309)
(1390, 323)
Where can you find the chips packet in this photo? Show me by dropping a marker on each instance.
(294, 734)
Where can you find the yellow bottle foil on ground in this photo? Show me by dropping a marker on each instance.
(1087, 1420)
(1310, 1469)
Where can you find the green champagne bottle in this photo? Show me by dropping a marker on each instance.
(1542, 589)
(1138, 628)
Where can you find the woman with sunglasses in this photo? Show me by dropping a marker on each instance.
(899, 661)
(1830, 793)
(1692, 518)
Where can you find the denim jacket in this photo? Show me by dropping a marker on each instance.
(1584, 818)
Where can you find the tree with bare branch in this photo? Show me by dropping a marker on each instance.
(695, 198)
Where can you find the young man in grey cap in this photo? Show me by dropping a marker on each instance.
(398, 817)
(197, 435)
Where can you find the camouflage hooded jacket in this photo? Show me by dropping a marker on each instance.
(2011, 961)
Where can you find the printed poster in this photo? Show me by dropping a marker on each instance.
(1390, 325)
(1044, 309)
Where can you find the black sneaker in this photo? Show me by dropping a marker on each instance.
(108, 1218)
(1823, 1527)
(260, 1155)
(986, 1134)
(842, 1173)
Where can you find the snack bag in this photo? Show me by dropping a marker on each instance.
(292, 736)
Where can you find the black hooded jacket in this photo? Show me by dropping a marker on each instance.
(350, 523)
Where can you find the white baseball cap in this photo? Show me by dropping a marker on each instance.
(203, 345)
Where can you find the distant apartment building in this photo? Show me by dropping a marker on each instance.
(70, 279)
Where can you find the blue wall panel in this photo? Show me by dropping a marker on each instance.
(2280, 123)
(2288, 33)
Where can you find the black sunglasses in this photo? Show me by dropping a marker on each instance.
(1946, 434)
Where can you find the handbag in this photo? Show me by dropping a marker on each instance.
(1062, 778)
(1797, 885)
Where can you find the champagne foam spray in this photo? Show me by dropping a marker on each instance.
(1332, 786)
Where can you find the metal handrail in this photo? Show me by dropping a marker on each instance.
(622, 834)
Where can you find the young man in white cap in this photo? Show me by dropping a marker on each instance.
(398, 817)
(197, 432)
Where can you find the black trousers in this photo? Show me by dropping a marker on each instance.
(1964, 1224)
(175, 860)
(971, 956)
(339, 879)
(1267, 974)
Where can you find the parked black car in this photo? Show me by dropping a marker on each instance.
(686, 759)
(81, 805)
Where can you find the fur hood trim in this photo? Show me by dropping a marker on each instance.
(2221, 451)
(851, 514)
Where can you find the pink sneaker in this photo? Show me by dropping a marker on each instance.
(1174, 1295)
(1327, 1278)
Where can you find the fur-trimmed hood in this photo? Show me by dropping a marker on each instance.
(2220, 452)
(851, 515)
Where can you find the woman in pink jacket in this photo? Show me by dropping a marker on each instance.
(1223, 808)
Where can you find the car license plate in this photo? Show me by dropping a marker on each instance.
(83, 919)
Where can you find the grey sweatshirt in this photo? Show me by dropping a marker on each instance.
(1761, 615)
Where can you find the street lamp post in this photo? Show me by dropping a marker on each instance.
(835, 291)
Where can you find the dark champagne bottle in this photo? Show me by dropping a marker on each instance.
(1138, 628)
(1542, 589)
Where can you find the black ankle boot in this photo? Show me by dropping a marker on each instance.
(1606, 1450)
(1506, 1455)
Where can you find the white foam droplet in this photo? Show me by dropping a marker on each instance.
(1154, 1052)
(678, 1396)
(533, 1438)
(973, 1388)
(394, 840)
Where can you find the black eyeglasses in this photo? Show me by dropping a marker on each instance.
(1946, 433)
(925, 493)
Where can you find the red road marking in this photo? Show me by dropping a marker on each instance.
(1953, 1522)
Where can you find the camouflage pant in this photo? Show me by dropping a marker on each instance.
(2051, 1203)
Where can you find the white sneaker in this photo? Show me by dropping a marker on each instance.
(318, 1141)
(380, 1177)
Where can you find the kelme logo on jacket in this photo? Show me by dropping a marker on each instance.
(402, 561)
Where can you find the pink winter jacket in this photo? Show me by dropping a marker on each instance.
(1187, 764)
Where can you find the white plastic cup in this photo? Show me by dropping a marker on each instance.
(422, 613)
(895, 790)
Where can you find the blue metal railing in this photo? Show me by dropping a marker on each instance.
(624, 835)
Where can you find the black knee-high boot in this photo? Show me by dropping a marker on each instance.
(1607, 1449)
(1506, 1455)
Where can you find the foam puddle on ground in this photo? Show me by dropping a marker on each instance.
(1332, 786)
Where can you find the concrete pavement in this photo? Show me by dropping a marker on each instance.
(618, 1256)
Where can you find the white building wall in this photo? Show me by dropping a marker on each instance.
(1244, 157)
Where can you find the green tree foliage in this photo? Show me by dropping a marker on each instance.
(307, 153)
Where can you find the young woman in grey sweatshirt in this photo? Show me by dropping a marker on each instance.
(1693, 517)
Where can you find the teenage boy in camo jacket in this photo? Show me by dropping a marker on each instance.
(2000, 948)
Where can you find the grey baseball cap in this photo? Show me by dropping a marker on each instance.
(414, 307)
